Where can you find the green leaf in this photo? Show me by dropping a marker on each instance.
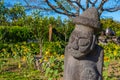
(47, 71)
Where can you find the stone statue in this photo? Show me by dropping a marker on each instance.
(83, 57)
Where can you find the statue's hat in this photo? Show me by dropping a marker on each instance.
(88, 18)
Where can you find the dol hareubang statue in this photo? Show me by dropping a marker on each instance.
(83, 57)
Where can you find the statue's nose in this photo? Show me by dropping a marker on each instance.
(75, 45)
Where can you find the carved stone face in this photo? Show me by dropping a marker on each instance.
(84, 42)
(81, 39)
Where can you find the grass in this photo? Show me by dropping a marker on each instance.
(21, 75)
(10, 70)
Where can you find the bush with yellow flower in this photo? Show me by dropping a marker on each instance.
(111, 56)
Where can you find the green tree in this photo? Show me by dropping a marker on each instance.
(28, 20)
(3, 13)
(17, 14)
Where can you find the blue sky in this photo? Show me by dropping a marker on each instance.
(114, 15)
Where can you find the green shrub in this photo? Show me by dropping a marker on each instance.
(15, 33)
(18, 49)
(52, 47)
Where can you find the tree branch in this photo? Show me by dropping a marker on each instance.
(77, 8)
(36, 7)
(100, 7)
(78, 3)
(58, 11)
(93, 3)
(26, 2)
(112, 9)
(70, 2)
(87, 4)
(101, 4)
(61, 7)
